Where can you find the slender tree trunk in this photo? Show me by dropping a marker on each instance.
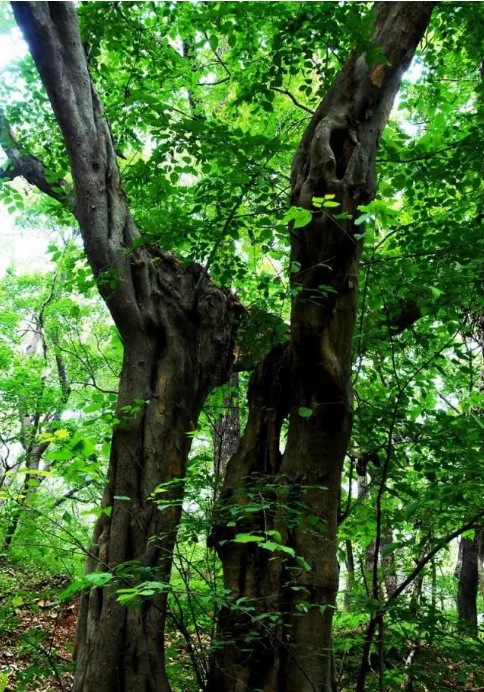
(458, 564)
(388, 562)
(350, 577)
(369, 554)
(33, 457)
(291, 644)
(33, 423)
(417, 592)
(246, 655)
(468, 583)
(480, 561)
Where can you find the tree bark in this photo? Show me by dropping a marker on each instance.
(468, 582)
(350, 577)
(387, 560)
(368, 563)
(246, 655)
(480, 560)
(226, 433)
(336, 156)
(416, 593)
(177, 329)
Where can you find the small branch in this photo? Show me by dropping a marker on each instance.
(219, 81)
(72, 494)
(293, 99)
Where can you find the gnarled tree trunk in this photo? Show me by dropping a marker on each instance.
(291, 644)
(177, 330)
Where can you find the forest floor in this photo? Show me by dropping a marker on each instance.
(37, 635)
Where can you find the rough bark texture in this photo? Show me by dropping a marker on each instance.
(177, 329)
(226, 432)
(336, 156)
(247, 657)
(468, 582)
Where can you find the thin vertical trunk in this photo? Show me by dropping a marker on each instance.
(480, 561)
(368, 562)
(251, 574)
(293, 647)
(468, 583)
(388, 562)
(417, 592)
(350, 577)
(433, 602)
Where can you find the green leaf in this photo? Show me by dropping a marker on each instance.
(247, 538)
(361, 219)
(300, 217)
(436, 292)
(269, 545)
(305, 412)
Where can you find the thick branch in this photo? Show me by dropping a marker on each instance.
(29, 167)
(51, 29)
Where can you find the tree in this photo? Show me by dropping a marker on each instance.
(334, 166)
(167, 315)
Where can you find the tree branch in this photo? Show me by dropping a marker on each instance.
(30, 167)
(293, 99)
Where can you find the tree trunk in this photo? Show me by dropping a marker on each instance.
(119, 648)
(468, 583)
(33, 457)
(480, 561)
(417, 592)
(177, 330)
(246, 653)
(291, 644)
(226, 433)
(368, 563)
(350, 577)
(388, 562)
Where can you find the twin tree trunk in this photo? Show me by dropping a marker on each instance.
(275, 633)
(177, 329)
